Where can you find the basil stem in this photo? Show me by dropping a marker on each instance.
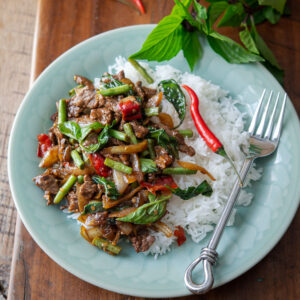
(63, 191)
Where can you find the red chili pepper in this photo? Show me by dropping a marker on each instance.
(97, 161)
(44, 144)
(179, 233)
(160, 184)
(140, 6)
(131, 110)
(211, 140)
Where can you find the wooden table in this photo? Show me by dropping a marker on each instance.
(62, 24)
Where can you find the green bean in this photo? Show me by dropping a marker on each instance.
(117, 166)
(106, 245)
(63, 191)
(122, 89)
(151, 148)
(129, 131)
(141, 70)
(77, 159)
(186, 132)
(151, 111)
(181, 171)
(80, 179)
(119, 135)
(62, 111)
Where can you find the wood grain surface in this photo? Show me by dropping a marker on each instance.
(62, 24)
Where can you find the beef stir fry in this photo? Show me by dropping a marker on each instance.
(111, 154)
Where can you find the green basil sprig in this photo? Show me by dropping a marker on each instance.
(148, 165)
(109, 187)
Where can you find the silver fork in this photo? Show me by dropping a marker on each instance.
(263, 142)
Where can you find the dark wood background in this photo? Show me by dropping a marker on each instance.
(62, 24)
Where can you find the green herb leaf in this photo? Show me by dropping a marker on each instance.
(277, 4)
(70, 129)
(203, 188)
(148, 165)
(174, 95)
(271, 15)
(164, 140)
(88, 128)
(164, 42)
(111, 82)
(214, 11)
(248, 41)
(185, 14)
(148, 213)
(191, 48)
(92, 207)
(233, 16)
(109, 186)
(200, 10)
(230, 50)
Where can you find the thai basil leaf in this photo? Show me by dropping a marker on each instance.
(164, 140)
(191, 47)
(185, 14)
(272, 15)
(200, 10)
(148, 213)
(277, 4)
(151, 197)
(177, 10)
(88, 128)
(148, 165)
(203, 188)
(92, 207)
(164, 42)
(248, 41)
(109, 187)
(174, 95)
(233, 16)
(111, 83)
(70, 129)
(230, 50)
(214, 11)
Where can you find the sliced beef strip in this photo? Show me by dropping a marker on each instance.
(49, 197)
(47, 183)
(88, 189)
(163, 159)
(149, 92)
(102, 115)
(139, 130)
(189, 150)
(139, 90)
(84, 81)
(53, 117)
(125, 158)
(73, 201)
(143, 242)
(65, 150)
(119, 76)
(91, 139)
(99, 218)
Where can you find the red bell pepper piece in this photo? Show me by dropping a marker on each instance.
(179, 233)
(160, 184)
(44, 144)
(97, 161)
(131, 110)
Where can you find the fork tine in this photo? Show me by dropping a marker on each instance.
(261, 125)
(277, 130)
(255, 116)
(270, 124)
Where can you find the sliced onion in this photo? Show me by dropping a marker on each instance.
(120, 181)
(166, 119)
(125, 227)
(137, 172)
(164, 228)
(122, 213)
(126, 149)
(50, 158)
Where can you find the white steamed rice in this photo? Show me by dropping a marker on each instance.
(199, 215)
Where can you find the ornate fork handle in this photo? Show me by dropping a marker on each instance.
(209, 255)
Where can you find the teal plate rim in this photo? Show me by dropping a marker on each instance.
(261, 252)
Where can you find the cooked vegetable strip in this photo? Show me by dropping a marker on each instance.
(129, 131)
(62, 111)
(77, 159)
(211, 140)
(151, 111)
(179, 171)
(119, 135)
(122, 89)
(141, 70)
(186, 133)
(126, 149)
(151, 148)
(166, 119)
(106, 246)
(80, 179)
(63, 191)
(117, 166)
(164, 228)
(192, 166)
